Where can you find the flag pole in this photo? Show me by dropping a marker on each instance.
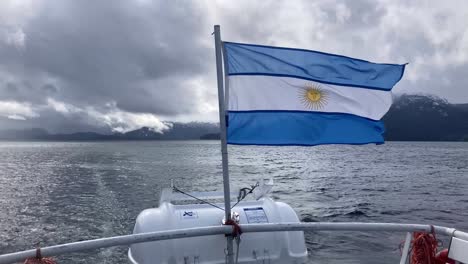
(222, 124)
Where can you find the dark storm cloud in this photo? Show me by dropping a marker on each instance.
(99, 52)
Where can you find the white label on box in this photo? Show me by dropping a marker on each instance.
(255, 215)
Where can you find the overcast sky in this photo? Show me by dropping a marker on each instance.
(87, 65)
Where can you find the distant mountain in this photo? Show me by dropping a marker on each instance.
(42, 134)
(144, 133)
(426, 118)
(83, 136)
(179, 131)
(462, 106)
(192, 130)
(24, 134)
(211, 136)
(411, 118)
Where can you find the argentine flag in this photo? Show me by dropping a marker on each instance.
(284, 96)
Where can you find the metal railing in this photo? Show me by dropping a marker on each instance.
(226, 230)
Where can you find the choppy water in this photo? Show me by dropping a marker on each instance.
(62, 192)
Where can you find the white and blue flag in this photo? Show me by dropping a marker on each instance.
(284, 96)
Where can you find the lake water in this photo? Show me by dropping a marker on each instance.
(58, 192)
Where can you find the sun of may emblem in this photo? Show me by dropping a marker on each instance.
(313, 97)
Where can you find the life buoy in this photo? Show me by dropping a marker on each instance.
(442, 257)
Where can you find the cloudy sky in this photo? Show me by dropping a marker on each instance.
(87, 65)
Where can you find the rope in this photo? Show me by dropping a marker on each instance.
(196, 198)
(243, 193)
(236, 230)
(38, 259)
(236, 233)
(424, 249)
(238, 240)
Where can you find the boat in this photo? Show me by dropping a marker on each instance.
(251, 228)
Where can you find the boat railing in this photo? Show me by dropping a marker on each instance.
(458, 248)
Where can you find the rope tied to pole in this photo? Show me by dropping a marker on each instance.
(236, 229)
(38, 259)
(236, 233)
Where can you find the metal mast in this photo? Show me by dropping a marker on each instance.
(222, 124)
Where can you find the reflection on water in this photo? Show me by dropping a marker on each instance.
(61, 192)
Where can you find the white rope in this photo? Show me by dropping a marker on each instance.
(238, 240)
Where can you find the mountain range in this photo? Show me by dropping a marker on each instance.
(179, 131)
(426, 118)
(411, 118)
